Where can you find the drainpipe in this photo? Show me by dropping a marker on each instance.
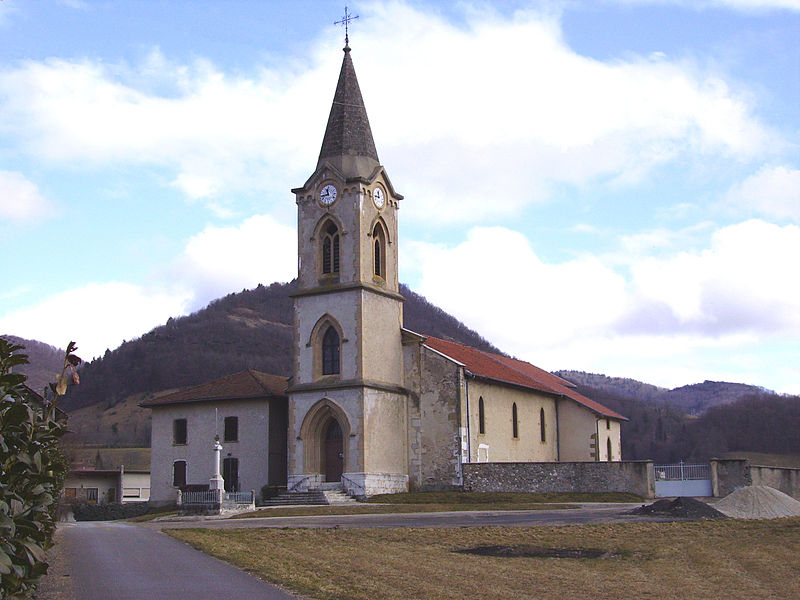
(469, 449)
(596, 440)
(558, 433)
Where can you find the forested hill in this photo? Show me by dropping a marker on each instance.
(656, 430)
(693, 399)
(44, 362)
(249, 329)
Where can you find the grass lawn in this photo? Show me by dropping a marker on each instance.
(709, 559)
(445, 502)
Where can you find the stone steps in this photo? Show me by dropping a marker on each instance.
(328, 495)
(313, 497)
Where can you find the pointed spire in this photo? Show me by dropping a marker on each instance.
(348, 142)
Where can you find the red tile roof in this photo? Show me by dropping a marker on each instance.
(242, 385)
(515, 372)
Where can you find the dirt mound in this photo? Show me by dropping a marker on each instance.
(758, 502)
(686, 508)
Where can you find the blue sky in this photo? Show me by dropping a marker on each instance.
(609, 186)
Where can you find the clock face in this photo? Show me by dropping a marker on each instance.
(378, 197)
(328, 195)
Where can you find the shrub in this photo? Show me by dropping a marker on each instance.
(32, 473)
(109, 512)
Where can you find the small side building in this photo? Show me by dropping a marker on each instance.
(104, 486)
(248, 410)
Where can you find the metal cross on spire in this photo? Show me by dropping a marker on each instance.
(346, 21)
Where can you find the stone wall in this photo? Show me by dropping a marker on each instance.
(635, 477)
(729, 475)
(783, 479)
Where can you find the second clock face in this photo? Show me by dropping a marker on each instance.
(378, 197)
(328, 195)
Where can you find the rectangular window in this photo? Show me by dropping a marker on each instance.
(231, 429)
(179, 474)
(179, 431)
(91, 495)
(70, 493)
(131, 492)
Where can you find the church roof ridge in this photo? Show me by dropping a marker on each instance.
(516, 372)
(348, 132)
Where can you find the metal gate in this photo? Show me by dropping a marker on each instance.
(683, 480)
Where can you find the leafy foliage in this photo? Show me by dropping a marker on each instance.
(33, 471)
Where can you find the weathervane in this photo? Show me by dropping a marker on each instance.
(346, 21)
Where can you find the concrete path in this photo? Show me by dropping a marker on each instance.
(119, 561)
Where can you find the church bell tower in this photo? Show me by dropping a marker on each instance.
(347, 405)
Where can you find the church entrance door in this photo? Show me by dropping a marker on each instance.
(334, 452)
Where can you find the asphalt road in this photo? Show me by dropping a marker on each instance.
(119, 561)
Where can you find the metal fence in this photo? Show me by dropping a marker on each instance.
(682, 472)
(212, 497)
(209, 497)
(238, 497)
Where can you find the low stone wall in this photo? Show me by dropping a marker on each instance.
(635, 477)
(728, 475)
(781, 478)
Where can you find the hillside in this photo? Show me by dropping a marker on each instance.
(657, 430)
(45, 362)
(249, 329)
(692, 399)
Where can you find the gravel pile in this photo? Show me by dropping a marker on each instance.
(758, 502)
(685, 508)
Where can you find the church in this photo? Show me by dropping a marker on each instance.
(371, 407)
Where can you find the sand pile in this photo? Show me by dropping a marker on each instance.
(758, 502)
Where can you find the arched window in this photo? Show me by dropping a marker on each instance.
(330, 352)
(608, 449)
(541, 425)
(514, 423)
(379, 254)
(481, 416)
(330, 249)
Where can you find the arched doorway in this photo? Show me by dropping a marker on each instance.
(333, 454)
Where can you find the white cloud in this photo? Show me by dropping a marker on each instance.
(96, 316)
(20, 199)
(774, 191)
(746, 281)
(221, 260)
(215, 262)
(684, 317)
(555, 116)
(743, 5)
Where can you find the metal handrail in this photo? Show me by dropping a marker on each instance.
(298, 482)
(358, 486)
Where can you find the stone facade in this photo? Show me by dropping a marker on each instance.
(635, 477)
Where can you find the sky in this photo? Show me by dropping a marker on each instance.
(609, 186)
